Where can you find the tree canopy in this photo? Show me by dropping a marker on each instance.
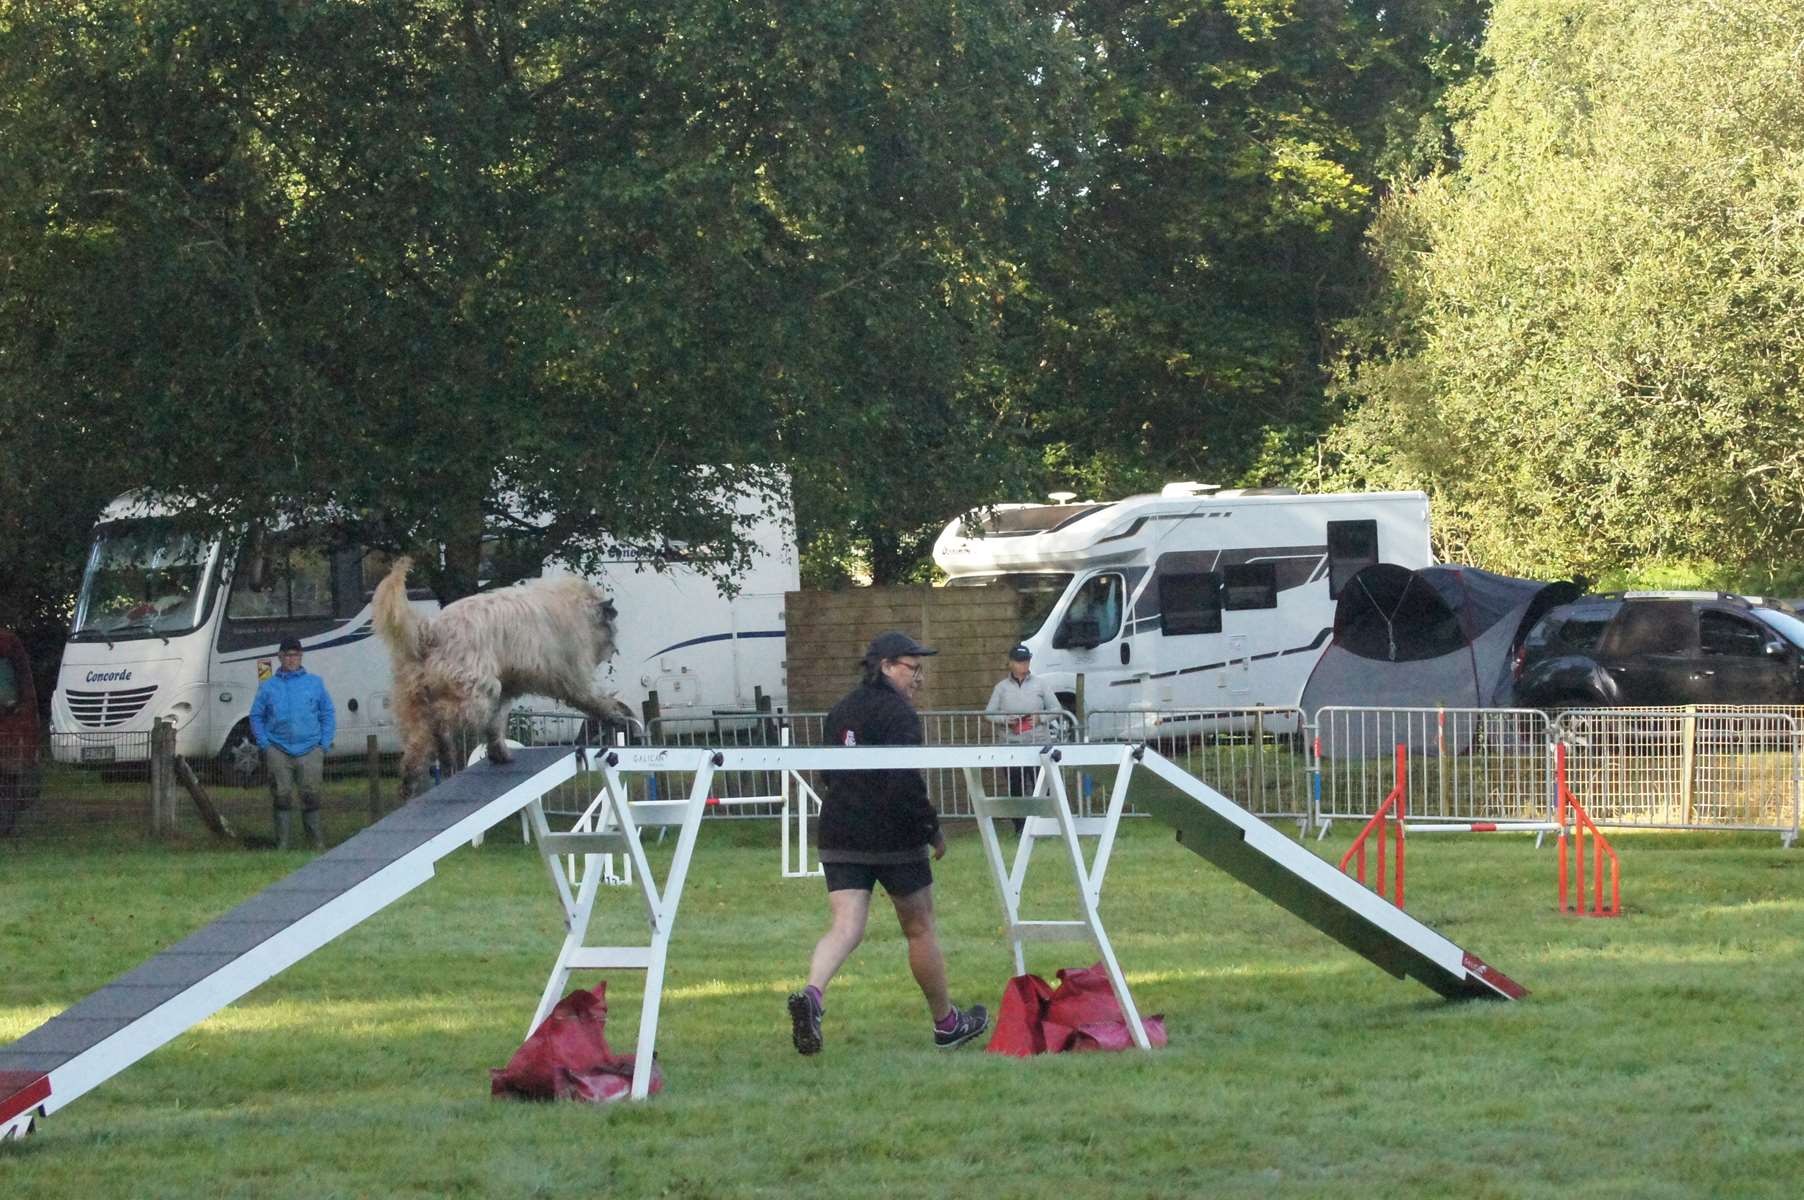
(1590, 341)
(1210, 227)
(419, 270)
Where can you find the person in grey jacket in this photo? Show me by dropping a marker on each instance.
(1022, 704)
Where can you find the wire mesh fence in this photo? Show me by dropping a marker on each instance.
(1473, 765)
(1673, 768)
(1677, 768)
(1256, 757)
(108, 784)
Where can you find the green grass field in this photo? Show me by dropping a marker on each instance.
(1657, 1055)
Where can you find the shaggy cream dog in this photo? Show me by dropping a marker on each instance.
(462, 668)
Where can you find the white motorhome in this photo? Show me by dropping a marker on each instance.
(1195, 598)
(173, 626)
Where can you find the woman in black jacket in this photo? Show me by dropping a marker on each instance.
(879, 827)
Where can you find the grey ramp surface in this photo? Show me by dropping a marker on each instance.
(270, 913)
(1222, 839)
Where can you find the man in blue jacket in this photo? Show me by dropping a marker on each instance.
(293, 722)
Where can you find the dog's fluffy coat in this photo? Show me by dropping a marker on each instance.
(463, 667)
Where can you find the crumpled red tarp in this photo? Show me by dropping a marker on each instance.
(567, 1058)
(1081, 1013)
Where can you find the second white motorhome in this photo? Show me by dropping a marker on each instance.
(170, 626)
(1191, 599)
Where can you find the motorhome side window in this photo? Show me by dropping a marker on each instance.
(1249, 585)
(373, 567)
(1352, 546)
(1190, 602)
(508, 557)
(275, 583)
(1094, 616)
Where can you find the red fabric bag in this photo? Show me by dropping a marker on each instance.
(567, 1057)
(1080, 1014)
(1018, 1018)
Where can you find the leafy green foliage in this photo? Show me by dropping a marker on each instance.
(419, 271)
(1209, 225)
(1590, 353)
(416, 270)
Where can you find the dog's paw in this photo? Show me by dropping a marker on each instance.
(499, 753)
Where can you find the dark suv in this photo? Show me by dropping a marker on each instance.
(1633, 649)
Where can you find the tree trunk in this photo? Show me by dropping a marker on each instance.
(887, 560)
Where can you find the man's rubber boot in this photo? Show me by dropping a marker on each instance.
(315, 835)
(284, 827)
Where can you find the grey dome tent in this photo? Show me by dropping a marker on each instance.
(1436, 637)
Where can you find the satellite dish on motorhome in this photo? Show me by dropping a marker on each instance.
(1061, 497)
(1188, 488)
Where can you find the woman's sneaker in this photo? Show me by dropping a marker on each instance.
(967, 1023)
(805, 1023)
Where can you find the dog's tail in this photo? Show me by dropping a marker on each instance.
(395, 619)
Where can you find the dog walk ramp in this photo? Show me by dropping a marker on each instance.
(141, 1010)
(1290, 875)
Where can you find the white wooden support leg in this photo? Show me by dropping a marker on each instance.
(805, 800)
(1057, 821)
(664, 920)
(576, 928)
(1089, 893)
(1008, 888)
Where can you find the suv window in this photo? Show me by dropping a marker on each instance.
(1786, 625)
(1724, 633)
(1653, 627)
(1572, 630)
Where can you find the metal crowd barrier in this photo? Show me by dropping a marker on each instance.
(1464, 764)
(974, 727)
(1257, 757)
(1701, 768)
(1685, 768)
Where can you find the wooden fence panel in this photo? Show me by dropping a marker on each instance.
(972, 627)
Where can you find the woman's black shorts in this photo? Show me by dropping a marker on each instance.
(898, 879)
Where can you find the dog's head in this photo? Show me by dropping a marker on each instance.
(606, 616)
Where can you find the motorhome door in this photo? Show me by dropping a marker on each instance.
(1091, 640)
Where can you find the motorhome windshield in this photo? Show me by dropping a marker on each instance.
(1036, 593)
(144, 579)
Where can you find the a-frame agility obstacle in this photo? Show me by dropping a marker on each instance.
(122, 1022)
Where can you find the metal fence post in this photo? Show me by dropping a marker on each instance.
(1309, 729)
(372, 762)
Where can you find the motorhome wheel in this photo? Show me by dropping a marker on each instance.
(240, 759)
